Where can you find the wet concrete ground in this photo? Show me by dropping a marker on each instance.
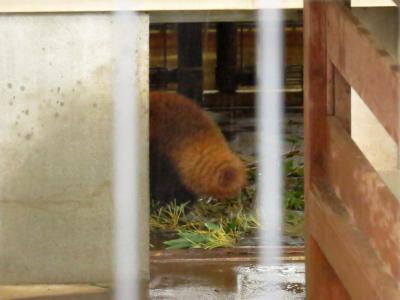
(189, 280)
(233, 273)
(228, 280)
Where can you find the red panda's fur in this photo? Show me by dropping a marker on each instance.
(182, 133)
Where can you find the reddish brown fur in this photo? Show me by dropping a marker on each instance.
(181, 131)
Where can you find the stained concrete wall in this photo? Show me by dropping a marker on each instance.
(56, 205)
(382, 22)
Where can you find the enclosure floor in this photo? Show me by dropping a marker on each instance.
(194, 274)
(180, 281)
(228, 281)
(56, 292)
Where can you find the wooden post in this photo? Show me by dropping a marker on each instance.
(339, 98)
(322, 282)
(315, 88)
(345, 196)
(190, 61)
(225, 73)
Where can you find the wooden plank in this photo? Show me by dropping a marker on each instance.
(330, 74)
(237, 254)
(375, 210)
(322, 281)
(315, 88)
(241, 252)
(338, 97)
(347, 249)
(367, 68)
(342, 100)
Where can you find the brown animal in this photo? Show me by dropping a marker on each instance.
(189, 156)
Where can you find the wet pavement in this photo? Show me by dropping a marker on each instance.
(208, 282)
(228, 280)
(195, 274)
(233, 273)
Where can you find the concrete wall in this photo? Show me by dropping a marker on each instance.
(56, 205)
(382, 22)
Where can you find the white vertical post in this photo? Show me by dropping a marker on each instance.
(269, 118)
(126, 167)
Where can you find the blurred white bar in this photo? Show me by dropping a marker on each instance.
(126, 166)
(138, 5)
(270, 135)
(161, 5)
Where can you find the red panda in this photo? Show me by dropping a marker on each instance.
(189, 156)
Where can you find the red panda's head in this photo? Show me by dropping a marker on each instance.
(215, 172)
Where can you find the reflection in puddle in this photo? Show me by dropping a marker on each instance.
(228, 281)
(271, 282)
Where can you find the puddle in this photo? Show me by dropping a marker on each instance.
(271, 282)
(188, 281)
(227, 281)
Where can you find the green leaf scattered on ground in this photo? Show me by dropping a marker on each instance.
(211, 223)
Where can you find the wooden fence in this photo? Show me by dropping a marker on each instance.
(352, 218)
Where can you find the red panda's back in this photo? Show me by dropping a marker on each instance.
(185, 135)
